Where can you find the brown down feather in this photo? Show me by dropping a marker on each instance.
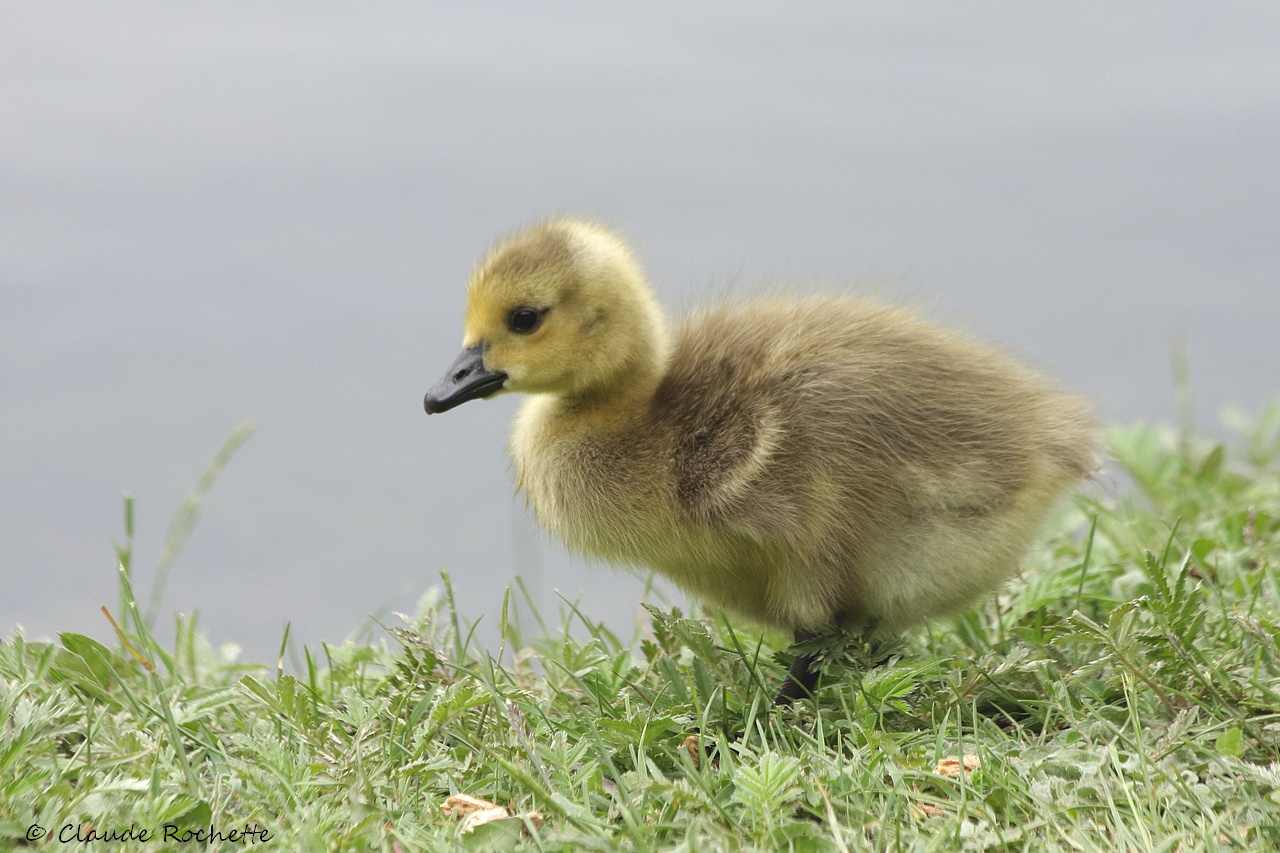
(809, 463)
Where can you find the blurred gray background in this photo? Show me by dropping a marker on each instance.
(221, 210)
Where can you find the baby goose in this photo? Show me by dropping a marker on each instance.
(812, 464)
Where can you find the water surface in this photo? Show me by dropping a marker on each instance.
(216, 211)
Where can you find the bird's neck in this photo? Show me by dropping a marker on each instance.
(634, 377)
(623, 398)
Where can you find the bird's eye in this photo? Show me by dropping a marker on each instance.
(524, 320)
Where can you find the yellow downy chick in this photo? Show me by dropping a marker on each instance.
(813, 464)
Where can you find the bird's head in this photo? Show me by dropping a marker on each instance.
(561, 308)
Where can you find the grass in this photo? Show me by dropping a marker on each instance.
(1123, 695)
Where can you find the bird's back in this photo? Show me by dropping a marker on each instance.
(900, 467)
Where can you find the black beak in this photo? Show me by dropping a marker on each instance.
(466, 379)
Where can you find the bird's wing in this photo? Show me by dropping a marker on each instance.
(727, 467)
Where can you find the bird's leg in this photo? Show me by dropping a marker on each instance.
(801, 676)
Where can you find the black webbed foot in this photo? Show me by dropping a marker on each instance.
(802, 675)
(800, 681)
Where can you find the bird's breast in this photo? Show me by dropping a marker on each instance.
(604, 495)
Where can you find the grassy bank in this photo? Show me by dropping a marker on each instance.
(1123, 695)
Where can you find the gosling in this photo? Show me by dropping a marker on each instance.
(813, 464)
